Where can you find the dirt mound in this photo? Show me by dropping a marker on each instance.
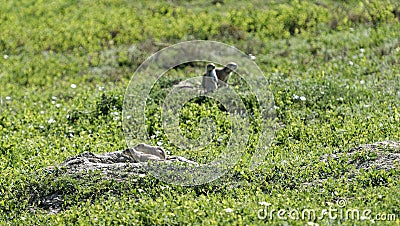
(116, 166)
(384, 155)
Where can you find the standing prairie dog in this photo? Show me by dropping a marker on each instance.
(223, 74)
(144, 152)
(210, 79)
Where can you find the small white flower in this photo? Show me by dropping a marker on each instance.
(101, 88)
(54, 98)
(362, 82)
(53, 102)
(330, 203)
(362, 50)
(58, 105)
(302, 98)
(41, 127)
(252, 57)
(264, 203)
(295, 97)
(142, 175)
(8, 98)
(159, 143)
(5, 56)
(73, 86)
(51, 120)
(41, 112)
(228, 210)
(129, 116)
(351, 63)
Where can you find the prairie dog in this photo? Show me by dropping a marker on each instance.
(152, 150)
(223, 74)
(143, 153)
(210, 79)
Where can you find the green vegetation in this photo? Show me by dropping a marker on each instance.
(65, 65)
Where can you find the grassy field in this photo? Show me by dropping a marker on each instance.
(65, 66)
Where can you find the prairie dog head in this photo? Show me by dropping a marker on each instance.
(210, 67)
(231, 66)
(152, 150)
